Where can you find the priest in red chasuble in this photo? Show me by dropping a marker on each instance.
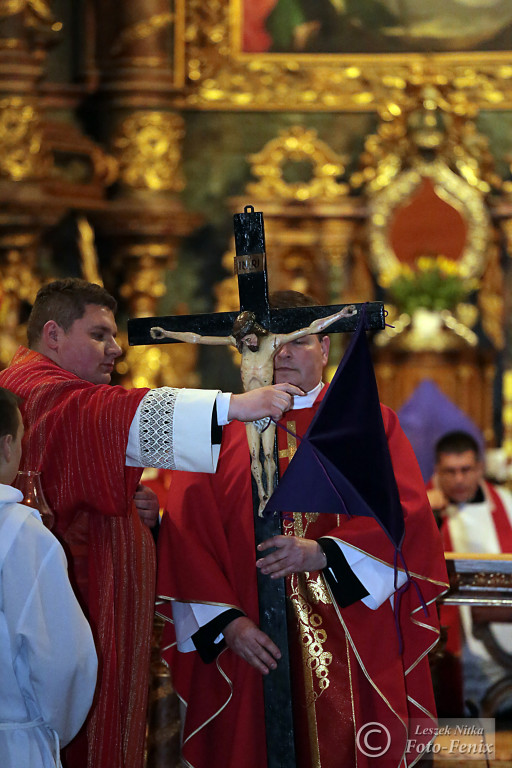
(90, 441)
(360, 629)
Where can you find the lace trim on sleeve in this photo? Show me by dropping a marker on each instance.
(156, 429)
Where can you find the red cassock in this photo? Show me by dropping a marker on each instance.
(76, 434)
(347, 671)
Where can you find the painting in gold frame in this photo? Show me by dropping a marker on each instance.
(375, 26)
(220, 73)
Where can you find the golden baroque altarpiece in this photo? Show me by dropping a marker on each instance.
(145, 64)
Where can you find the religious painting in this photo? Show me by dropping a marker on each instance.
(376, 26)
(349, 55)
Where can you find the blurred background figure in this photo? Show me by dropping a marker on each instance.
(475, 516)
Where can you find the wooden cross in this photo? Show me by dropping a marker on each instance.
(251, 269)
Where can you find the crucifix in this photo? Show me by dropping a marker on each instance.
(275, 327)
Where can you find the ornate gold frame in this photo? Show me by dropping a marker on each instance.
(450, 187)
(218, 75)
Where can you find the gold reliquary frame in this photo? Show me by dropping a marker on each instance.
(448, 186)
(218, 74)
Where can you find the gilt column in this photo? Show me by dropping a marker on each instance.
(26, 210)
(145, 220)
(143, 226)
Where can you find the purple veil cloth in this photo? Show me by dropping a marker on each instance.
(342, 464)
(428, 415)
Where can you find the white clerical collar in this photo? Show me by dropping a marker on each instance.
(307, 400)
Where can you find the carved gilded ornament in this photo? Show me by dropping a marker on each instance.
(18, 282)
(294, 145)
(490, 298)
(220, 75)
(426, 118)
(147, 146)
(151, 366)
(161, 365)
(146, 285)
(423, 330)
(22, 153)
(429, 133)
(448, 186)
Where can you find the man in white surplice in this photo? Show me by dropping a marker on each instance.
(475, 517)
(47, 657)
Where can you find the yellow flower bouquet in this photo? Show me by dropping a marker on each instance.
(436, 283)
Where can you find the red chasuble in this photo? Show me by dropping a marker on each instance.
(347, 671)
(76, 435)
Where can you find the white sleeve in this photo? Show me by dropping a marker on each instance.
(54, 657)
(376, 577)
(189, 617)
(172, 429)
(222, 401)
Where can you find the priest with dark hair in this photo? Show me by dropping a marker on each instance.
(362, 617)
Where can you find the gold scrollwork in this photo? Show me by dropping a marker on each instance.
(22, 153)
(220, 75)
(298, 144)
(313, 636)
(305, 592)
(147, 144)
(427, 117)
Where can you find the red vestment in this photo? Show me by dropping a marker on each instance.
(346, 666)
(492, 533)
(76, 435)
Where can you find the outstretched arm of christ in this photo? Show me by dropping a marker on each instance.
(191, 338)
(317, 326)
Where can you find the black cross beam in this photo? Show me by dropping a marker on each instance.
(251, 269)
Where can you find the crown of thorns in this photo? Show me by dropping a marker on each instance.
(244, 324)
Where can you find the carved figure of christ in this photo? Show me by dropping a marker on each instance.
(258, 347)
